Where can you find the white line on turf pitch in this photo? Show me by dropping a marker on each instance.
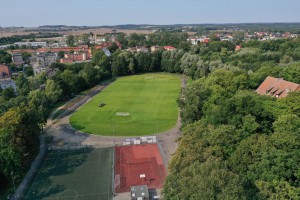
(80, 195)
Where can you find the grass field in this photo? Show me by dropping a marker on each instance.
(84, 174)
(150, 100)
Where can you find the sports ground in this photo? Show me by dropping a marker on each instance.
(84, 174)
(132, 162)
(148, 101)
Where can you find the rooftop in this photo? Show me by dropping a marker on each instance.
(277, 87)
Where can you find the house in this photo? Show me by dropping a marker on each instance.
(277, 87)
(38, 70)
(66, 60)
(196, 41)
(238, 47)
(41, 61)
(155, 48)
(169, 48)
(106, 51)
(17, 58)
(132, 49)
(139, 192)
(32, 51)
(142, 49)
(31, 44)
(6, 83)
(46, 59)
(4, 72)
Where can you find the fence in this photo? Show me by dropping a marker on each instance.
(32, 171)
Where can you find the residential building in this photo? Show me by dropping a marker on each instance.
(196, 40)
(238, 47)
(66, 60)
(75, 57)
(277, 87)
(132, 49)
(106, 51)
(31, 44)
(17, 58)
(41, 61)
(6, 83)
(142, 49)
(46, 59)
(138, 49)
(155, 48)
(169, 48)
(38, 70)
(4, 72)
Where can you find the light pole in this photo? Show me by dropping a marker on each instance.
(13, 180)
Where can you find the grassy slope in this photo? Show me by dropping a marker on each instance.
(150, 102)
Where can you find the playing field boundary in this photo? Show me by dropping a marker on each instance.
(62, 167)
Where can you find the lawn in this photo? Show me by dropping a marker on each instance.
(84, 174)
(149, 99)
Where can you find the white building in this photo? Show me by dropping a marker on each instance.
(31, 44)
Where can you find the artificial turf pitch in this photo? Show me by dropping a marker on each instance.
(150, 100)
(84, 174)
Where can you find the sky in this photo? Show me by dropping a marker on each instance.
(32, 13)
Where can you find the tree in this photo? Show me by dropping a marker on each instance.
(70, 80)
(113, 47)
(90, 75)
(52, 91)
(208, 180)
(213, 37)
(22, 83)
(5, 57)
(61, 54)
(29, 71)
(26, 57)
(70, 40)
(85, 39)
(8, 93)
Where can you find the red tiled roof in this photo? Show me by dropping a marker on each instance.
(4, 71)
(169, 48)
(277, 87)
(23, 50)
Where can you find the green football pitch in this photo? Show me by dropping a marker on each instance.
(148, 102)
(84, 174)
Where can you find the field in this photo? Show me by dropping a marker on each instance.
(84, 174)
(149, 100)
(131, 161)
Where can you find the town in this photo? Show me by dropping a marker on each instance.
(149, 100)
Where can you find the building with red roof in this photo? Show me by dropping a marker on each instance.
(169, 48)
(277, 87)
(4, 72)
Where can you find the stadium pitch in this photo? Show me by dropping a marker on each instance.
(131, 106)
(84, 174)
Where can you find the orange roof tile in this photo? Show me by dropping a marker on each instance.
(277, 87)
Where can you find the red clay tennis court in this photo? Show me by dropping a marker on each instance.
(132, 161)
